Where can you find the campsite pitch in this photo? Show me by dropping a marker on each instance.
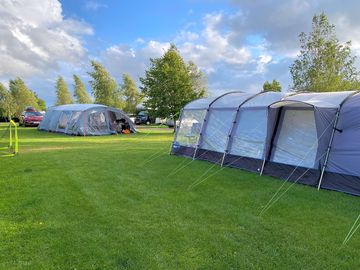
(113, 202)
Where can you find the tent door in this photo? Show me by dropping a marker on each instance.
(296, 139)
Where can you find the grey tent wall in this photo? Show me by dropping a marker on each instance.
(332, 137)
(343, 171)
(233, 127)
(206, 118)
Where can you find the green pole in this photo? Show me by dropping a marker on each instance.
(10, 135)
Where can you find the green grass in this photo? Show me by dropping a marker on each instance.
(92, 203)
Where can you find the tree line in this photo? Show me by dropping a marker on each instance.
(105, 90)
(323, 64)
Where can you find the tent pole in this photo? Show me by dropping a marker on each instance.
(232, 129)
(177, 131)
(332, 136)
(230, 135)
(84, 118)
(329, 147)
(202, 129)
(262, 166)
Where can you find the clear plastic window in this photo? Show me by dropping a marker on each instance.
(250, 134)
(64, 119)
(217, 130)
(297, 139)
(190, 127)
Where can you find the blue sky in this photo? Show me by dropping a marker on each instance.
(125, 21)
(238, 44)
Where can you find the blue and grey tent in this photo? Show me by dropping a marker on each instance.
(310, 138)
(86, 119)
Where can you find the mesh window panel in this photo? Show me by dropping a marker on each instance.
(296, 143)
(217, 130)
(190, 127)
(73, 123)
(250, 134)
(64, 119)
(97, 122)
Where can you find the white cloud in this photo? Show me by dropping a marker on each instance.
(94, 5)
(120, 59)
(140, 41)
(36, 38)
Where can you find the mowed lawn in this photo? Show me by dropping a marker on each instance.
(109, 203)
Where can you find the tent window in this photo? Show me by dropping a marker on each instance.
(217, 130)
(190, 127)
(250, 134)
(296, 142)
(64, 119)
(97, 121)
(73, 120)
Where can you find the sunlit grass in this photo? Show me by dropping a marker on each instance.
(106, 203)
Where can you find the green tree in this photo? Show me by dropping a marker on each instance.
(198, 80)
(167, 85)
(80, 93)
(41, 103)
(22, 96)
(272, 86)
(324, 64)
(63, 95)
(104, 87)
(131, 94)
(6, 102)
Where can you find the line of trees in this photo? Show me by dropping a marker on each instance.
(105, 90)
(167, 86)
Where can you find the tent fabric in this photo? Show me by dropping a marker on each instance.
(86, 119)
(343, 170)
(287, 136)
(318, 100)
(202, 103)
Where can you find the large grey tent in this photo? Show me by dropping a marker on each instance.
(310, 138)
(86, 119)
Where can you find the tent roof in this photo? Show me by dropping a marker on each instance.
(231, 100)
(76, 107)
(321, 100)
(263, 99)
(201, 103)
(235, 99)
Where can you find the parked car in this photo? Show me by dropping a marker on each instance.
(30, 118)
(132, 117)
(143, 117)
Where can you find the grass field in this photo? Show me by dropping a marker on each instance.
(104, 203)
